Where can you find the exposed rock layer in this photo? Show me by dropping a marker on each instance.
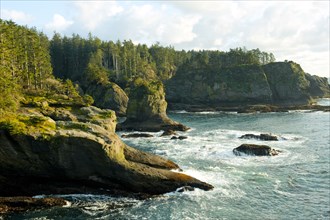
(280, 83)
(79, 153)
(146, 109)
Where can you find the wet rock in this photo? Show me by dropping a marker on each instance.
(137, 135)
(81, 157)
(185, 189)
(257, 150)
(179, 137)
(168, 133)
(263, 137)
(19, 204)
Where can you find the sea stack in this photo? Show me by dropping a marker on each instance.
(146, 110)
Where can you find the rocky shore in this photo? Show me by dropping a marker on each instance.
(76, 150)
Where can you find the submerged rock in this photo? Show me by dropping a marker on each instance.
(257, 150)
(263, 137)
(146, 110)
(79, 157)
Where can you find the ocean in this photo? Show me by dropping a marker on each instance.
(293, 185)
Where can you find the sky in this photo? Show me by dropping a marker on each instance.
(291, 30)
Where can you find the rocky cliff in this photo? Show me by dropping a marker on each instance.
(274, 83)
(75, 150)
(318, 86)
(109, 96)
(287, 82)
(146, 110)
(230, 85)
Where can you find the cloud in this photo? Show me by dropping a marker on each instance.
(92, 14)
(16, 16)
(59, 23)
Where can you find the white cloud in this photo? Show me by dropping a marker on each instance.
(16, 16)
(59, 23)
(293, 30)
(93, 13)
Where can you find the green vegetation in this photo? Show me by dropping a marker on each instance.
(26, 72)
(43, 73)
(23, 124)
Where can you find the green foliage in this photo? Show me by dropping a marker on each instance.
(74, 125)
(88, 100)
(23, 124)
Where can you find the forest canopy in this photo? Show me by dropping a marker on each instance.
(30, 63)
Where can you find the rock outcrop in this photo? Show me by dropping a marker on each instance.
(278, 83)
(109, 96)
(137, 135)
(253, 149)
(19, 204)
(287, 82)
(146, 110)
(79, 156)
(318, 86)
(237, 85)
(263, 137)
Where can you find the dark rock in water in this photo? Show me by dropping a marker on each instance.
(178, 137)
(185, 189)
(146, 110)
(168, 133)
(137, 135)
(257, 150)
(19, 204)
(263, 137)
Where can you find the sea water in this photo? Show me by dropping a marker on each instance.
(293, 185)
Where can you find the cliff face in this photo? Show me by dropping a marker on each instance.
(287, 82)
(83, 150)
(319, 86)
(279, 83)
(109, 96)
(146, 109)
(232, 85)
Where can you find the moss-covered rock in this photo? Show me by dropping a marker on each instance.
(79, 155)
(280, 83)
(242, 84)
(318, 86)
(288, 82)
(146, 109)
(109, 96)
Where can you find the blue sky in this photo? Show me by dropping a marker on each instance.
(292, 30)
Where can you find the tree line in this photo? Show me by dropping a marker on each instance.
(29, 61)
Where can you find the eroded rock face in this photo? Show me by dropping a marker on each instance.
(253, 149)
(279, 83)
(109, 96)
(288, 82)
(245, 84)
(318, 86)
(146, 109)
(84, 152)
